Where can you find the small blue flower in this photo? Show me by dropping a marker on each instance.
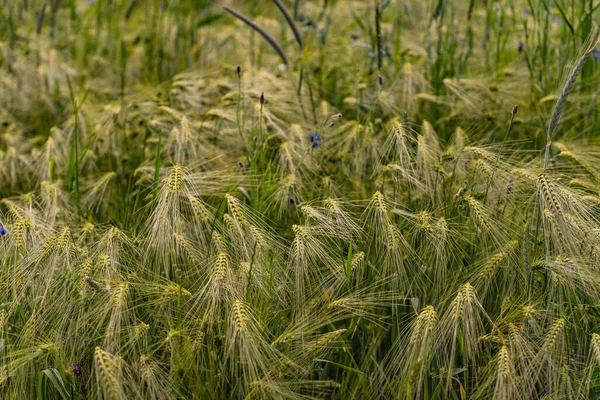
(315, 138)
(596, 54)
(3, 230)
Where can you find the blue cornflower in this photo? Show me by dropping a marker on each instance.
(3, 230)
(315, 138)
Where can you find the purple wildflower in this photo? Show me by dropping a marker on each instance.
(77, 370)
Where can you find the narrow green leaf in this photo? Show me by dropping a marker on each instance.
(58, 382)
(564, 16)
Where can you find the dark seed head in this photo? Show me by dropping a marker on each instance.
(77, 371)
(520, 47)
(515, 110)
(261, 100)
(292, 201)
(239, 70)
(380, 80)
(510, 186)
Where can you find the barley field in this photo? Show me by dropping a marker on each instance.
(299, 199)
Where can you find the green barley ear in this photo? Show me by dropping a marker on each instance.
(342, 220)
(235, 209)
(85, 270)
(107, 375)
(358, 268)
(200, 209)
(427, 160)
(461, 327)
(553, 336)
(357, 261)
(286, 158)
(218, 290)
(410, 357)
(155, 380)
(289, 190)
(551, 356)
(182, 146)
(481, 217)
(500, 380)
(96, 194)
(188, 250)
(175, 181)
(579, 158)
(364, 304)
(568, 86)
(505, 385)
(592, 366)
(595, 347)
(18, 230)
(118, 317)
(305, 354)
(390, 247)
(140, 330)
(486, 225)
(495, 269)
(249, 356)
